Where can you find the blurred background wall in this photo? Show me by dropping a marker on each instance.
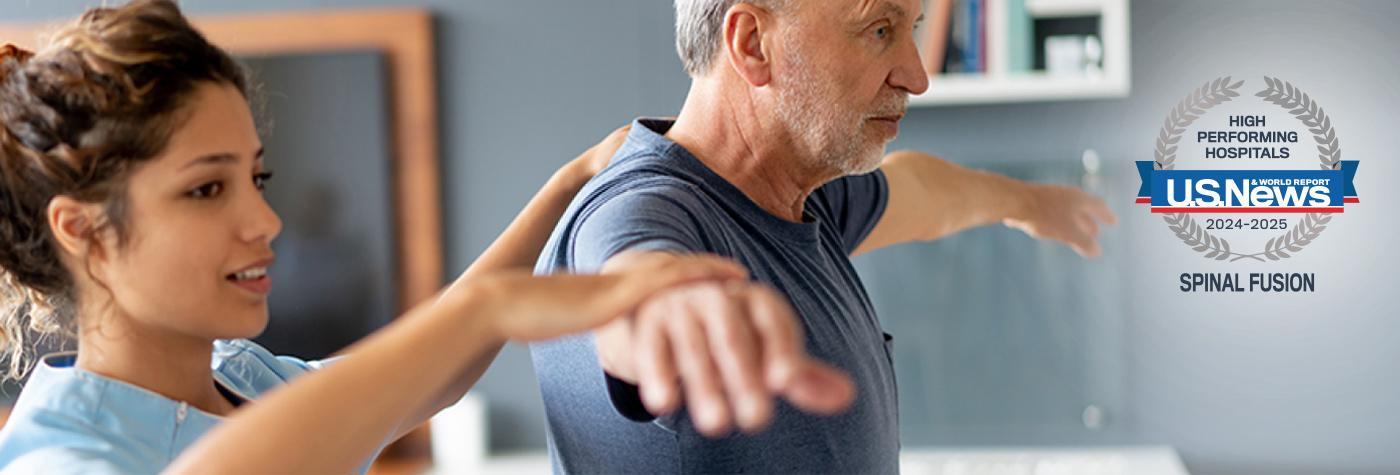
(1237, 383)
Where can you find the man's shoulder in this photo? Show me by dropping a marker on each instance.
(646, 198)
(649, 157)
(643, 193)
(642, 176)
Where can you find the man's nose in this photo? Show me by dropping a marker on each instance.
(908, 73)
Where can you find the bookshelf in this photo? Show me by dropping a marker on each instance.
(1001, 81)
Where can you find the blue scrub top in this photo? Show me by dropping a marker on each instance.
(68, 420)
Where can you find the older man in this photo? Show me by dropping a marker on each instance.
(775, 161)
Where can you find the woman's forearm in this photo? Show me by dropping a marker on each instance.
(517, 248)
(331, 416)
(330, 421)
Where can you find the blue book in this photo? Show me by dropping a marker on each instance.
(972, 42)
(954, 55)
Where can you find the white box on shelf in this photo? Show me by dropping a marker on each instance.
(1000, 86)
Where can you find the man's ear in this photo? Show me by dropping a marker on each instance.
(72, 223)
(745, 44)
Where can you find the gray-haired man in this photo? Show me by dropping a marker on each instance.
(774, 161)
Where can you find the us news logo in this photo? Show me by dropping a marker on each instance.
(1248, 162)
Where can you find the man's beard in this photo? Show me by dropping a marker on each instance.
(832, 136)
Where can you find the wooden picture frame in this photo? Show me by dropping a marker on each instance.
(405, 39)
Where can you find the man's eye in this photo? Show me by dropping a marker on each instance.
(882, 32)
(207, 190)
(260, 180)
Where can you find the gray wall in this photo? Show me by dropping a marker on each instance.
(1298, 383)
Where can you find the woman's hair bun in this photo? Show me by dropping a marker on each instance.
(10, 51)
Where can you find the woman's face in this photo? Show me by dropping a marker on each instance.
(199, 232)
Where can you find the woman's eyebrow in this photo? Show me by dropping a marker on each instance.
(220, 158)
(215, 159)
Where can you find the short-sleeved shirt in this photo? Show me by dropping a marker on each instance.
(68, 420)
(656, 195)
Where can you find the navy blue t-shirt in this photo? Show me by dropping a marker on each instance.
(657, 196)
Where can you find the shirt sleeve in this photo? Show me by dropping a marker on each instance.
(251, 360)
(659, 218)
(654, 218)
(856, 203)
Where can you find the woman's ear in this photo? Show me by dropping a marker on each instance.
(72, 223)
(745, 44)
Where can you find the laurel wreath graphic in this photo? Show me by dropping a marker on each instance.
(1277, 92)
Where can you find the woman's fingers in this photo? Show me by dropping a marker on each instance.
(657, 377)
(736, 352)
(729, 349)
(808, 384)
(601, 154)
(704, 394)
(821, 389)
(776, 327)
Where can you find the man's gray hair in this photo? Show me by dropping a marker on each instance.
(699, 29)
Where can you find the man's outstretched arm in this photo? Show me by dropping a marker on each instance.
(931, 198)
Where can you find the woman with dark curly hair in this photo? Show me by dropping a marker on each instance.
(132, 220)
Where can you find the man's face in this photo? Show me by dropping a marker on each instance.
(842, 76)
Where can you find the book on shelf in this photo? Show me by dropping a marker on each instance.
(1019, 37)
(935, 35)
(978, 37)
(963, 50)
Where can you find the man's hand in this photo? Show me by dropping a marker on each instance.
(931, 198)
(730, 347)
(1064, 214)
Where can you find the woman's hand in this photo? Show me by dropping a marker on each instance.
(527, 308)
(597, 157)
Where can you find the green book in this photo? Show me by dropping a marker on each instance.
(1019, 47)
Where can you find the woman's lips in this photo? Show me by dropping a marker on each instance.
(260, 286)
(253, 279)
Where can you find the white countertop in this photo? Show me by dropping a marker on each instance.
(1116, 460)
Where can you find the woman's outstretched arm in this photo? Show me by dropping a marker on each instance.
(517, 248)
(332, 420)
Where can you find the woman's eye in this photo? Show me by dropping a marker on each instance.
(207, 190)
(260, 180)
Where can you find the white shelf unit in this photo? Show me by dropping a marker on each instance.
(998, 85)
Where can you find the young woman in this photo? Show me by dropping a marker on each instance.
(132, 218)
